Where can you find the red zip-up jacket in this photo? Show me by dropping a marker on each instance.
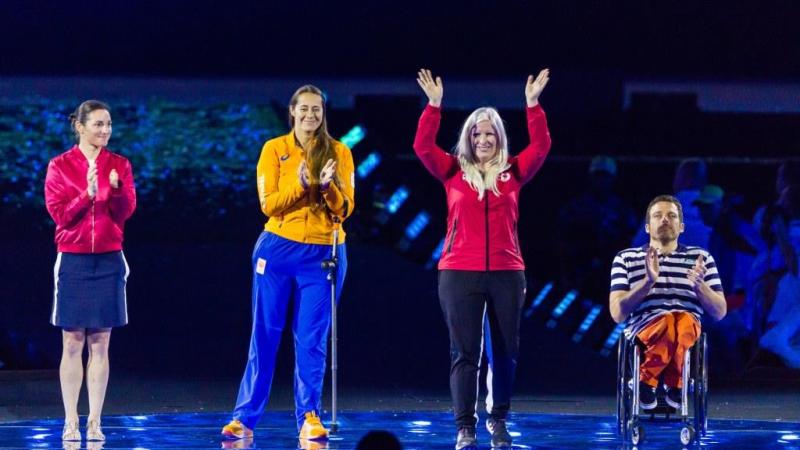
(85, 225)
(482, 235)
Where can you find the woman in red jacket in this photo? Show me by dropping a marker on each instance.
(89, 193)
(481, 272)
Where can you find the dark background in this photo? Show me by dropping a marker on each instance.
(374, 39)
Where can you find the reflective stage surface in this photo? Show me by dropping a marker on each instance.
(415, 430)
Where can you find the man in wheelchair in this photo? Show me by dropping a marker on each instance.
(662, 289)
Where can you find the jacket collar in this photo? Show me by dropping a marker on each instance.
(75, 152)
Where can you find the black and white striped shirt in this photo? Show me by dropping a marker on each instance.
(672, 290)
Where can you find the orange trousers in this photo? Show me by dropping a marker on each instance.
(666, 340)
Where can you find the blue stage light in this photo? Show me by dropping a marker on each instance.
(354, 136)
(587, 323)
(590, 318)
(417, 225)
(435, 255)
(437, 252)
(397, 199)
(612, 339)
(369, 164)
(562, 306)
(539, 298)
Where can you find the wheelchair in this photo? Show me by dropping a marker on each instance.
(694, 391)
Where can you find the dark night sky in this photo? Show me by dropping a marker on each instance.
(383, 38)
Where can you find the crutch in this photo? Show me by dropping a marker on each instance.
(331, 265)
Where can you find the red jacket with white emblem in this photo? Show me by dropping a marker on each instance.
(482, 234)
(83, 224)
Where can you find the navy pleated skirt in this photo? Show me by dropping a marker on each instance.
(90, 290)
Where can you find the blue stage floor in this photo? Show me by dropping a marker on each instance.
(416, 430)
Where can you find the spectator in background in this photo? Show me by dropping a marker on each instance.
(734, 243)
(591, 227)
(787, 175)
(769, 264)
(781, 264)
(690, 178)
(731, 236)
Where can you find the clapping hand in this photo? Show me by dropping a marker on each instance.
(302, 174)
(113, 179)
(696, 274)
(327, 174)
(651, 264)
(91, 180)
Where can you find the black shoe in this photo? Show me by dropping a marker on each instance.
(647, 396)
(673, 397)
(499, 432)
(466, 438)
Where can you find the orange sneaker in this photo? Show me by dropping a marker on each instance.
(312, 428)
(236, 430)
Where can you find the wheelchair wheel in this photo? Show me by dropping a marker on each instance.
(636, 432)
(700, 391)
(687, 434)
(704, 384)
(623, 395)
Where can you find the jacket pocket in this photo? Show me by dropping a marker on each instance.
(452, 237)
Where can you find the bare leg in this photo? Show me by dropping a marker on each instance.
(97, 370)
(71, 371)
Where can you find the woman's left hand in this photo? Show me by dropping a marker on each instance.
(113, 179)
(535, 86)
(327, 174)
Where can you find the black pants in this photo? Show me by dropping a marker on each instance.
(472, 301)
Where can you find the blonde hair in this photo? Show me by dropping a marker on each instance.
(485, 180)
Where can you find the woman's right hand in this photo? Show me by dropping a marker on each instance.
(302, 174)
(432, 88)
(91, 180)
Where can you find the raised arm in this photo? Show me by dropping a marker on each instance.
(438, 162)
(532, 157)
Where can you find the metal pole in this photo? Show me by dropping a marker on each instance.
(332, 266)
